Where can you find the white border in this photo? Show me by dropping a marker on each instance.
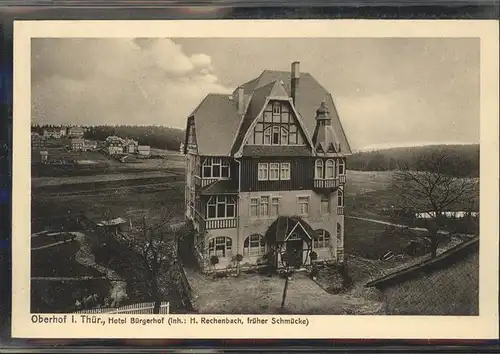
(484, 326)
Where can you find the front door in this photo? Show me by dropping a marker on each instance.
(294, 253)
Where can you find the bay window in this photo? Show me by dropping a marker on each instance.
(330, 169)
(341, 166)
(319, 169)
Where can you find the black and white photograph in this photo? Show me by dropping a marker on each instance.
(255, 176)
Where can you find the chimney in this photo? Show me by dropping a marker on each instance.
(241, 100)
(295, 79)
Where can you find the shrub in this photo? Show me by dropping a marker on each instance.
(239, 258)
(214, 260)
(314, 256)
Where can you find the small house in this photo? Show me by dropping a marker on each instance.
(37, 141)
(89, 145)
(52, 133)
(77, 144)
(75, 132)
(130, 146)
(144, 150)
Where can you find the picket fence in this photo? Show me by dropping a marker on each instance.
(144, 308)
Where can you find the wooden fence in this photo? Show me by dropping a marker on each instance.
(144, 308)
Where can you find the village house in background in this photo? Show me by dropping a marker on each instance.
(265, 171)
(144, 150)
(114, 145)
(75, 132)
(77, 144)
(54, 133)
(38, 141)
(130, 146)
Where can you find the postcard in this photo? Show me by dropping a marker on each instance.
(255, 179)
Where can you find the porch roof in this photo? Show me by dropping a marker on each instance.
(283, 226)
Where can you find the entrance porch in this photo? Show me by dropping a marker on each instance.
(290, 239)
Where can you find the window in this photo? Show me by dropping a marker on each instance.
(220, 247)
(340, 198)
(339, 235)
(263, 172)
(322, 239)
(254, 245)
(264, 206)
(221, 207)
(254, 205)
(215, 168)
(303, 205)
(274, 171)
(284, 136)
(292, 137)
(276, 135)
(276, 108)
(325, 205)
(285, 171)
(267, 137)
(319, 169)
(330, 169)
(341, 167)
(275, 206)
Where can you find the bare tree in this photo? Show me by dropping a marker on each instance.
(156, 247)
(433, 186)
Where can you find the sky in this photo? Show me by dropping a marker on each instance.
(388, 91)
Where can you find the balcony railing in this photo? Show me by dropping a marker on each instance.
(342, 179)
(211, 224)
(220, 224)
(340, 210)
(326, 183)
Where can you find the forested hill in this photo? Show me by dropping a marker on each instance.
(389, 159)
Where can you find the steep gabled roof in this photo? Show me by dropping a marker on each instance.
(216, 120)
(221, 130)
(257, 101)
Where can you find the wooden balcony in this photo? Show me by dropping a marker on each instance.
(326, 183)
(212, 224)
(220, 223)
(340, 210)
(341, 179)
